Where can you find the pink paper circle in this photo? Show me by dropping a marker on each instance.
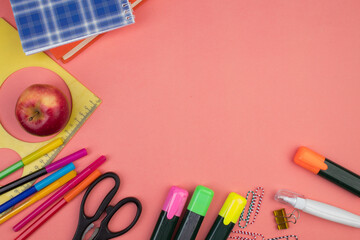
(12, 88)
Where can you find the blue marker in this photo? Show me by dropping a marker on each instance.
(37, 187)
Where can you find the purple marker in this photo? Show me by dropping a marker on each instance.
(71, 184)
(50, 168)
(170, 214)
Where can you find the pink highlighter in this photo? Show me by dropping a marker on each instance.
(170, 214)
(71, 184)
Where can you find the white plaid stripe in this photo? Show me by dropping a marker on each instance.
(70, 25)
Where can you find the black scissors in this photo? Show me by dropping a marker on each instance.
(102, 233)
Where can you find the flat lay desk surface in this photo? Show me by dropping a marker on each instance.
(220, 93)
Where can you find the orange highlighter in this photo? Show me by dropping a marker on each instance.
(60, 204)
(327, 169)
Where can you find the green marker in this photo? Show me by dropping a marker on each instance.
(31, 157)
(227, 218)
(195, 213)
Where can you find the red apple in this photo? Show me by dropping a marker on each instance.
(42, 110)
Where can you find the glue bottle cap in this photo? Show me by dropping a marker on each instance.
(286, 196)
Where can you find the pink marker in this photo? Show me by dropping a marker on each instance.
(71, 184)
(170, 213)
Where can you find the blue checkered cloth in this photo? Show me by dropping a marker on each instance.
(45, 24)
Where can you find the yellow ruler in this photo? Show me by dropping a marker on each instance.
(12, 58)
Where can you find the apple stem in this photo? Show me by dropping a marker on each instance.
(32, 117)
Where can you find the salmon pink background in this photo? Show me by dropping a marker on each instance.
(221, 93)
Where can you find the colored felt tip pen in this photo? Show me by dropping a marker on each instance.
(318, 209)
(170, 214)
(227, 218)
(195, 213)
(32, 157)
(38, 196)
(37, 187)
(58, 205)
(50, 168)
(67, 187)
(327, 169)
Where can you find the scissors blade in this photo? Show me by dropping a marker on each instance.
(91, 225)
(96, 230)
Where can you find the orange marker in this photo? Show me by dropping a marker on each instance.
(57, 206)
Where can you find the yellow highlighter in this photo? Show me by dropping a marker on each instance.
(39, 195)
(227, 218)
(32, 157)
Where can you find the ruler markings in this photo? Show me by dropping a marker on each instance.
(49, 157)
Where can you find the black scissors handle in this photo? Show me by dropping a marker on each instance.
(104, 231)
(84, 220)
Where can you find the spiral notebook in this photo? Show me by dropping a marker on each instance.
(69, 51)
(45, 24)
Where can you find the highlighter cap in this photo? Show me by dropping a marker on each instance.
(310, 160)
(232, 208)
(175, 202)
(200, 200)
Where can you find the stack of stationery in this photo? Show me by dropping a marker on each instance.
(46, 24)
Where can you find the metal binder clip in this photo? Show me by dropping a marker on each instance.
(282, 219)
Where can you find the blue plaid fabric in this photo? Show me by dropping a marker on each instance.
(45, 24)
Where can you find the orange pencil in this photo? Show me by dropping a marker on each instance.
(57, 206)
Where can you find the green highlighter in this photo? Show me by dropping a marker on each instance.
(195, 213)
(227, 218)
